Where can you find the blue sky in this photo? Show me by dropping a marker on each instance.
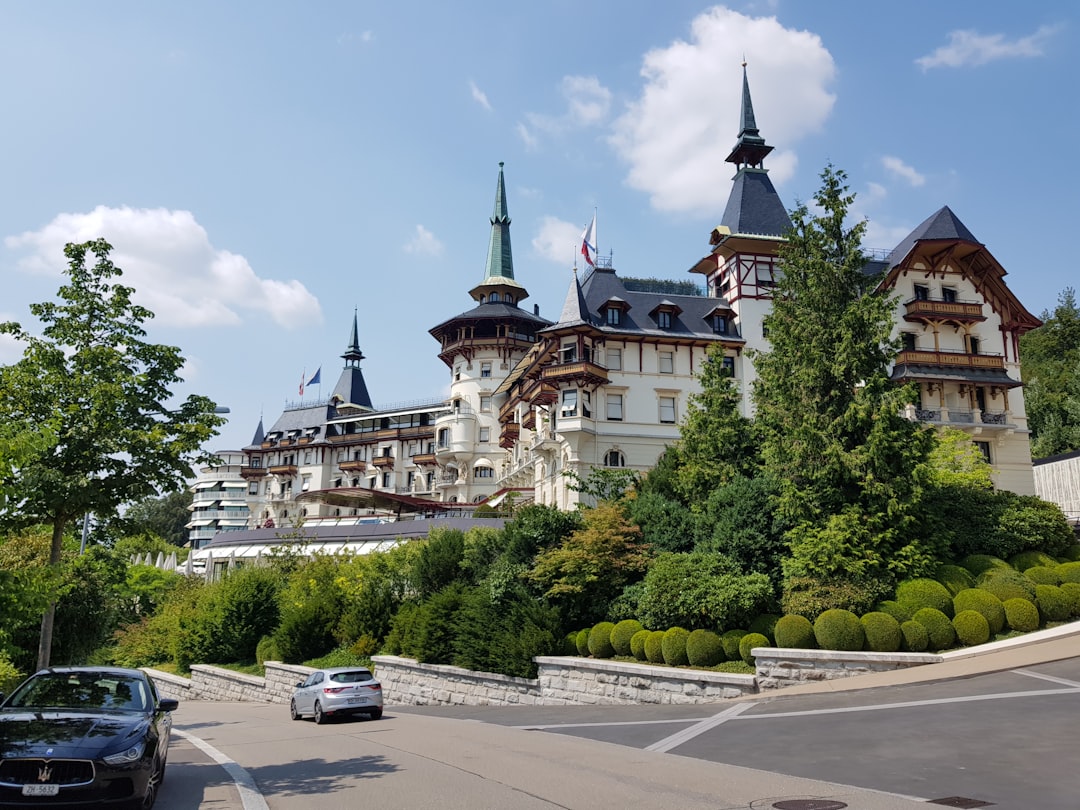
(263, 169)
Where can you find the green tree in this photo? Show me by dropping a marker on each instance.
(1051, 373)
(165, 516)
(833, 432)
(92, 381)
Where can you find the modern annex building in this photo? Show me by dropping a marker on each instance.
(607, 384)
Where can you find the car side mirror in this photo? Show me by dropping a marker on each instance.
(299, 684)
(168, 705)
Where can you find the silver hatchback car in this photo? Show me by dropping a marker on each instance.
(337, 691)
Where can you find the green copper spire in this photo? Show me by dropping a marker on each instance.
(750, 150)
(500, 260)
(353, 355)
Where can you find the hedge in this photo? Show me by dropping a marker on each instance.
(1069, 572)
(1007, 584)
(795, 631)
(971, 628)
(654, 647)
(839, 629)
(600, 640)
(1072, 593)
(979, 563)
(914, 594)
(1044, 574)
(765, 624)
(673, 646)
(1031, 559)
(731, 640)
(882, 632)
(704, 649)
(582, 642)
(1053, 604)
(954, 577)
(622, 633)
(748, 642)
(938, 626)
(986, 603)
(916, 639)
(637, 645)
(1021, 615)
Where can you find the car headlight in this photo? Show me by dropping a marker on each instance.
(133, 754)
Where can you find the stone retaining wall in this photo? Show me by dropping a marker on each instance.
(566, 680)
(215, 683)
(409, 683)
(779, 666)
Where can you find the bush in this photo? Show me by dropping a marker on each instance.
(765, 624)
(1069, 572)
(916, 639)
(1044, 575)
(600, 640)
(894, 609)
(582, 642)
(748, 642)
(437, 624)
(794, 631)
(938, 626)
(1072, 593)
(985, 603)
(971, 628)
(637, 645)
(810, 597)
(1053, 604)
(1021, 615)
(704, 649)
(570, 643)
(731, 640)
(838, 629)
(1072, 552)
(882, 632)
(1007, 584)
(914, 594)
(622, 633)
(504, 634)
(673, 647)
(1031, 559)
(265, 650)
(10, 677)
(954, 577)
(978, 563)
(654, 647)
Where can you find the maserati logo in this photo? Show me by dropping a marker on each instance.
(45, 774)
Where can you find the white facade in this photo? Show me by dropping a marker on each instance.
(221, 501)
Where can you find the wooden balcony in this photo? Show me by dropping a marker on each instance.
(528, 419)
(289, 470)
(352, 465)
(509, 434)
(582, 372)
(993, 362)
(253, 472)
(935, 309)
(382, 462)
(424, 460)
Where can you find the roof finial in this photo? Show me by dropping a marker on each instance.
(500, 260)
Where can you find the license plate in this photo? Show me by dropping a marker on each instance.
(358, 700)
(40, 790)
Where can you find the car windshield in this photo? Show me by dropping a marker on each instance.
(82, 691)
(354, 676)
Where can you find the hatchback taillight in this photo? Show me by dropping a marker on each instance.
(375, 686)
(333, 690)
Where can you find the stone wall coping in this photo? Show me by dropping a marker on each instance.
(453, 672)
(627, 668)
(844, 656)
(222, 672)
(296, 669)
(168, 677)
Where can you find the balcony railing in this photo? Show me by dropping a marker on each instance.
(352, 465)
(283, 469)
(950, 359)
(583, 370)
(383, 461)
(252, 472)
(424, 459)
(918, 309)
(957, 416)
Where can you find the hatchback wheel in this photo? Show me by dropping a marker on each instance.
(320, 717)
(293, 713)
(375, 714)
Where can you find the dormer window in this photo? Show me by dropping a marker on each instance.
(664, 313)
(663, 320)
(720, 324)
(614, 316)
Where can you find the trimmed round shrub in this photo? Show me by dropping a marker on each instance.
(971, 628)
(1007, 584)
(637, 645)
(654, 647)
(622, 633)
(915, 637)
(1053, 604)
(882, 632)
(730, 640)
(766, 625)
(1021, 615)
(1031, 559)
(839, 629)
(704, 649)
(1072, 552)
(569, 646)
(582, 642)
(954, 577)
(894, 609)
(978, 563)
(938, 627)
(673, 646)
(600, 640)
(748, 642)
(1072, 593)
(1069, 572)
(985, 603)
(914, 594)
(795, 631)
(1043, 575)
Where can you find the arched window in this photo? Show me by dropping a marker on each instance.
(483, 472)
(613, 458)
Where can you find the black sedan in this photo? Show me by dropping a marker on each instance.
(97, 736)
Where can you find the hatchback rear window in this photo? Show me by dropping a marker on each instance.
(355, 676)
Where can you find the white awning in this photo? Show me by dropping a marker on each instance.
(231, 522)
(233, 503)
(206, 484)
(234, 485)
(483, 462)
(200, 523)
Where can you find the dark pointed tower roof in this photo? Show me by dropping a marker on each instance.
(943, 224)
(260, 434)
(575, 310)
(750, 149)
(351, 388)
(499, 268)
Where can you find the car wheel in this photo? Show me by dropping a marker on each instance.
(293, 713)
(152, 784)
(320, 718)
(375, 714)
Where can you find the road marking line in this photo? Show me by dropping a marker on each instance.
(701, 727)
(250, 796)
(612, 723)
(1063, 681)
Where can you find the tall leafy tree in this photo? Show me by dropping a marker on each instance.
(165, 516)
(832, 426)
(1051, 370)
(93, 381)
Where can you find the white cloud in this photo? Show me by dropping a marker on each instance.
(676, 135)
(557, 241)
(176, 272)
(424, 243)
(527, 138)
(588, 104)
(880, 236)
(874, 192)
(968, 48)
(479, 96)
(896, 166)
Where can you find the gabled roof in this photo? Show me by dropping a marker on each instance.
(575, 310)
(943, 224)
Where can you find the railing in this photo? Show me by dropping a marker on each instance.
(283, 469)
(939, 307)
(994, 418)
(960, 417)
(953, 359)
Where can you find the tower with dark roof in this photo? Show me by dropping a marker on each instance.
(351, 388)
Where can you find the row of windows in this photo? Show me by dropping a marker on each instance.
(665, 361)
(572, 400)
(721, 324)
